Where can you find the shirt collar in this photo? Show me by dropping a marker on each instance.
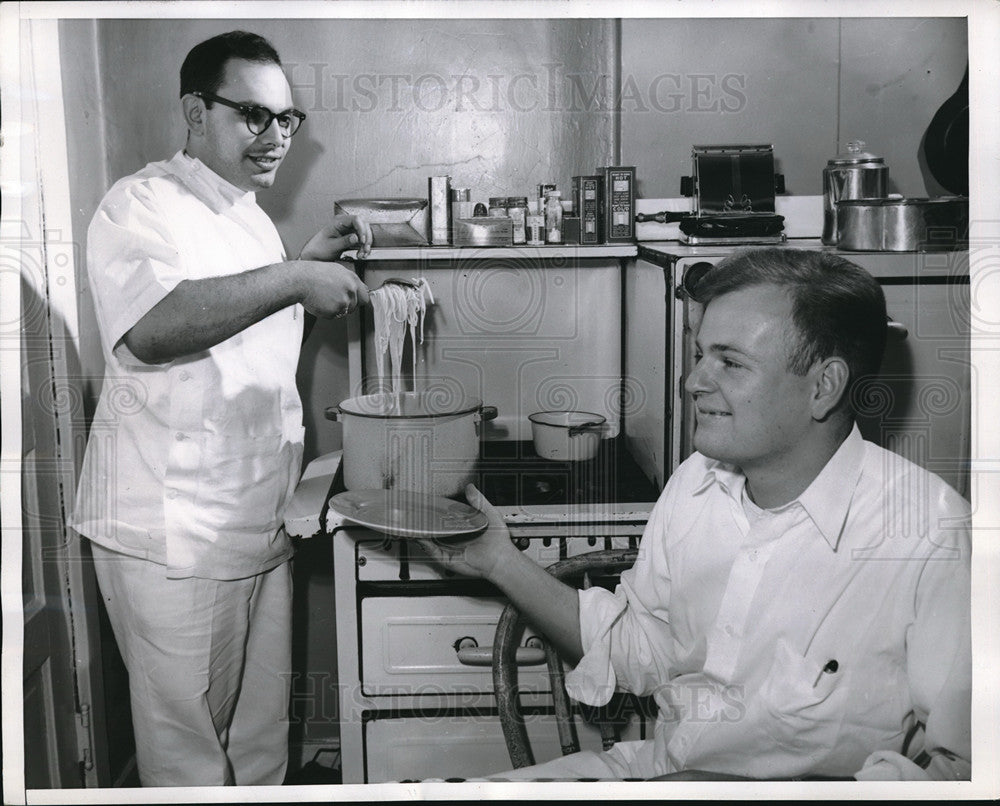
(826, 500)
(207, 185)
(726, 476)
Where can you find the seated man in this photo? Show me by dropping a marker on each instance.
(800, 605)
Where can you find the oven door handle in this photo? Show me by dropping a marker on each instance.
(483, 656)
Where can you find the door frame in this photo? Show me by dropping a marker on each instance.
(37, 235)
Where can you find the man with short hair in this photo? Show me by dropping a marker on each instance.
(196, 444)
(800, 605)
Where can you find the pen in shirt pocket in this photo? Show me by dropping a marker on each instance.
(830, 668)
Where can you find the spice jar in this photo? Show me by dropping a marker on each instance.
(553, 217)
(498, 206)
(535, 224)
(543, 191)
(517, 209)
(461, 203)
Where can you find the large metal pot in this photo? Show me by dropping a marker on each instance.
(854, 174)
(902, 225)
(412, 441)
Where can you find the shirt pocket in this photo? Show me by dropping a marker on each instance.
(803, 700)
(246, 482)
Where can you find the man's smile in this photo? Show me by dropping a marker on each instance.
(266, 161)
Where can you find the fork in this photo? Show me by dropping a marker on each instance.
(400, 281)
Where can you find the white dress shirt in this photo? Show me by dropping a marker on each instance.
(805, 640)
(190, 463)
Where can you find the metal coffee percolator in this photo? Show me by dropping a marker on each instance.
(854, 174)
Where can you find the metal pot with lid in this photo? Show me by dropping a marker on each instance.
(419, 442)
(902, 225)
(853, 174)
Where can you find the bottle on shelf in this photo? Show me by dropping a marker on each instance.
(517, 210)
(535, 223)
(553, 217)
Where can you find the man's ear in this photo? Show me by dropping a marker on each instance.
(194, 113)
(831, 379)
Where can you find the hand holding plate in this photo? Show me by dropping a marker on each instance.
(481, 554)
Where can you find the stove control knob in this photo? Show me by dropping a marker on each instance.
(521, 542)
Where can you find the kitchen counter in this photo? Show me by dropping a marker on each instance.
(665, 253)
(937, 267)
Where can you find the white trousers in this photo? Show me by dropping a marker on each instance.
(209, 664)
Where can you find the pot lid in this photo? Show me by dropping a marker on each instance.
(854, 154)
(410, 404)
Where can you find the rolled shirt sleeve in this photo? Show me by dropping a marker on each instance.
(593, 681)
(625, 635)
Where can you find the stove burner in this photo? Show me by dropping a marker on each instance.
(541, 486)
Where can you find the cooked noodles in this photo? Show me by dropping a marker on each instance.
(395, 309)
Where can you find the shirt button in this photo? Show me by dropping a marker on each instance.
(185, 375)
(729, 630)
(179, 436)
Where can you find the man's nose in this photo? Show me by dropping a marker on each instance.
(698, 378)
(273, 135)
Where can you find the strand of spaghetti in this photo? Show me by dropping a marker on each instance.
(378, 303)
(403, 296)
(385, 303)
(393, 308)
(415, 315)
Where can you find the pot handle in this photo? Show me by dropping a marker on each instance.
(897, 331)
(332, 413)
(576, 430)
(488, 413)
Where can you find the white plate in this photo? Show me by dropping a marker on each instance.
(405, 514)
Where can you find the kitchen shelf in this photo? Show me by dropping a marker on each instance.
(547, 252)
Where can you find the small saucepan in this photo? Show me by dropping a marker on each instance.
(567, 436)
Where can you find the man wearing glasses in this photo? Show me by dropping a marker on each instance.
(196, 443)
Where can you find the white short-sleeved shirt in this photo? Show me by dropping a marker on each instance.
(809, 639)
(189, 463)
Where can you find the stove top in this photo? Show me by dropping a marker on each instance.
(512, 474)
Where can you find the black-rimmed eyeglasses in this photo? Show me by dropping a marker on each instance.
(258, 118)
